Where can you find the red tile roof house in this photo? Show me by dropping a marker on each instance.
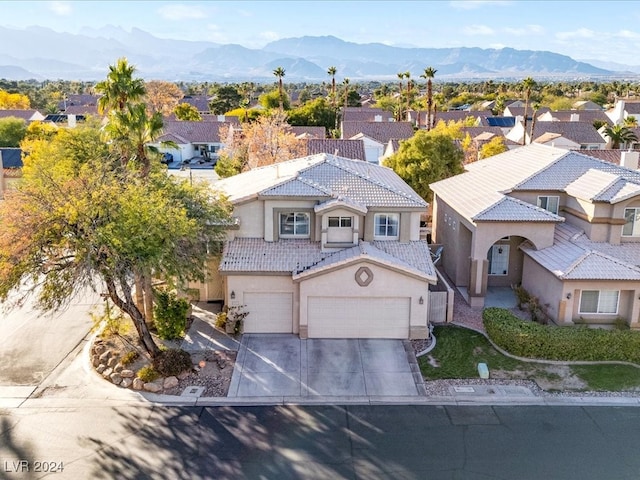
(195, 140)
(376, 135)
(572, 135)
(562, 223)
(327, 247)
(353, 149)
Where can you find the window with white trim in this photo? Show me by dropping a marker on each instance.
(549, 203)
(599, 301)
(386, 226)
(294, 224)
(344, 222)
(632, 222)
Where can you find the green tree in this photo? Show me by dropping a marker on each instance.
(279, 73)
(493, 147)
(619, 134)
(429, 74)
(225, 98)
(332, 73)
(274, 99)
(630, 121)
(314, 113)
(12, 131)
(527, 85)
(120, 87)
(426, 158)
(187, 112)
(85, 220)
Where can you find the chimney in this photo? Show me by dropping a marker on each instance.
(629, 159)
(377, 118)
(71, 120)
(575, 117)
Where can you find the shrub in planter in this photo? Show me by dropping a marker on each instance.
(148, 374)
(170, 315)
(172, 362)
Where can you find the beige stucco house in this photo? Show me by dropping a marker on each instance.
(563, 224)
(327, 247)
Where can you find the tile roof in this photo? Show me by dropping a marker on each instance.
(519, 111)
(334, 177)
(574, 257)
(632, 108)
(81, 110)
(587, 116)
(340, 202)
(356, 114)
(303, 257)
(509, 209)
(308, 132)
(455, 115)
(23, 114)
(343, 148)
(379, 131)
(579, 132)
(201, 132)
(201, 102)
(608, 155)
(482, 186)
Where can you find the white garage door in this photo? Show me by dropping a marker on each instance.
(268, 312)
(356, 317)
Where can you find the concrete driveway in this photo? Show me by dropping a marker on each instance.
(282, 365)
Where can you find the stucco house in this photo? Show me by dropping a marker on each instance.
(563, 224)
(327, 247)
(376, 135)
(193, 139)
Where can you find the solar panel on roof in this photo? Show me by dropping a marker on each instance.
(501, 121)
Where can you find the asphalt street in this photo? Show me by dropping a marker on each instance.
(322, 442)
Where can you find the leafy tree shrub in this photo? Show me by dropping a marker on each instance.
(148, 374)
(532, 340)
(129, 357)
(170, 315)
(172, 362)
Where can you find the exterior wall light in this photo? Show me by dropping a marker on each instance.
(421, 301)
(569, 296)
(233, 295)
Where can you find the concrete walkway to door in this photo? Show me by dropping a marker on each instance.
(283, 365)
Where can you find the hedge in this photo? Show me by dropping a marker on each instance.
(576, 343)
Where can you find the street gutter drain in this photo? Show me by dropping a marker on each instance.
(192, 391)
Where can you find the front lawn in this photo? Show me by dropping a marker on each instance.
(459, 350)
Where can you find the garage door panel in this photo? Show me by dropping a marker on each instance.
(358, 317)
(268, 312)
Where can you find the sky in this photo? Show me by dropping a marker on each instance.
(600, 30)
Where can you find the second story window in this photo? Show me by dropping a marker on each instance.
(549, 203)
(632, 222)
(386, 226)
(294, 224)
(344, 222)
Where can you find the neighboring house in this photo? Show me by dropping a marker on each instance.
(482, 135)
(78, 100)
(26, 115)
(376, 135)
(504, 123)
(624, 158)
(353, 149)
(392, 147)
(193, 139)
(366, 114)
(201, 102)
(586, 105)
(327, 247)
(513, 111)
(308, 132)
(64, 120)
(585, 116)
(572, 135)
(10, 167)
(563, 224)
(623, 109)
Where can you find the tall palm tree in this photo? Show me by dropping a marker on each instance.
(400, 85)
(279, 72)
(120, 87)
(429, 74)
(527, 85)
(332, 73)
(535, 106)
(619, 134)
(345, 82)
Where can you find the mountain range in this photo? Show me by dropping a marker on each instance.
(41, 53)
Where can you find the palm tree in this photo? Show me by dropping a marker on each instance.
(401, 77)
(279, 72)
(428, 74)
(619, 134)
(332, 73)
(120, 87)
(535, 106)
(527, 85)
(345, 82)
(631, 121)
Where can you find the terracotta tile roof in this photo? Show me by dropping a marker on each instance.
(379, 131)
(201, 102)
(455, 115)
(608, 155)
(308, 132)
(82, 110)
(343, 148)
(200, 132)
(579, 132)
(574, 257)
(335, 177)
(587, 116)
(632, 108)
(24, 114)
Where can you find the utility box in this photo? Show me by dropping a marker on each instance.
(483, 370)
